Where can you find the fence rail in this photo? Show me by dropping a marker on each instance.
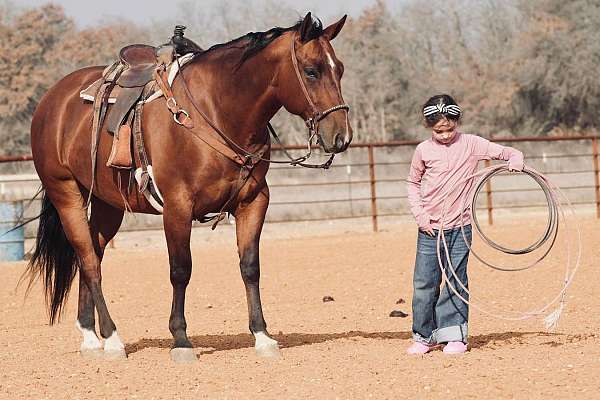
(373, 180)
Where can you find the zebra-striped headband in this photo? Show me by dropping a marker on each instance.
(451, 109)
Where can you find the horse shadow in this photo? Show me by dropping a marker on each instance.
(209, 344)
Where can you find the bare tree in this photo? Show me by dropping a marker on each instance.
(38, 47)
(26, 44)
(560, 51)
(516, 66)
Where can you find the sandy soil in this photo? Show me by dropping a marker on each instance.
(349, 348)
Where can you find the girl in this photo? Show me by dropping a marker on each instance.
(438, 167)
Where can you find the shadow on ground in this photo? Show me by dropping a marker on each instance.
(212, 343)
(492, 339)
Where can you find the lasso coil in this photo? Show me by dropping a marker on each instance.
(556, 212)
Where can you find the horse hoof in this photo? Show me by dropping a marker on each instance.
(270, 350)
(91, 354)
(115, 354)
(183, 355)
(114, 349)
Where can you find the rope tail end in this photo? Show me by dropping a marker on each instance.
(551, 320)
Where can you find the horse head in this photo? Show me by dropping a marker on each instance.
(309, 83)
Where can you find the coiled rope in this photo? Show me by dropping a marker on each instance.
(556, 212)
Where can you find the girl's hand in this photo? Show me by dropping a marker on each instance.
(429, 231)
(515, 167)
(424, 222)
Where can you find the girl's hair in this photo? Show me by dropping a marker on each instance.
(437, 107)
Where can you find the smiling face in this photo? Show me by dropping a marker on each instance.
(444, 130)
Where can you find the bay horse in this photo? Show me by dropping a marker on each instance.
(235, 87)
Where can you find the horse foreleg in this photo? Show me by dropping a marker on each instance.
(178, 226)
(249, 218)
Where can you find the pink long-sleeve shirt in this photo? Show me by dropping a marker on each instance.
(439, 170)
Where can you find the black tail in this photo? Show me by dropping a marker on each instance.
(53, 259)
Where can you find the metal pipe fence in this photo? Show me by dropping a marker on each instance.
(375, 189)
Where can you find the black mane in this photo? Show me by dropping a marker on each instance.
(256, 41)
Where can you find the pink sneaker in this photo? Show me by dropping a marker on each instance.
(419, 348)
(455, 348)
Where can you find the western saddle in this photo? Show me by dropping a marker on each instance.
(140, 72)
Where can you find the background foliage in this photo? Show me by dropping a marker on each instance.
(517, 67)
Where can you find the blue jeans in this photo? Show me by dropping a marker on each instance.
(440, 317)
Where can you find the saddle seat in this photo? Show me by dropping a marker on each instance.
(137, 54)
(140, 60)
(139, 63)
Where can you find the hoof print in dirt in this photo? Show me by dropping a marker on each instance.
(327, 299)
(398, 314)
(400, 301)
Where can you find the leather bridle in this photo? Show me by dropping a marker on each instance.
(312, 123)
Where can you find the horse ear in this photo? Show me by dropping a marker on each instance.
(306, 27)
(332, 30)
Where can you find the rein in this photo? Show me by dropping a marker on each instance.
(312, 123)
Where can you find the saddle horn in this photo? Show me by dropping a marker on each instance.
(182, 44)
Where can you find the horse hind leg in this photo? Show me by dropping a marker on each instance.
(105, 221)
(91, 346)
(64, 205)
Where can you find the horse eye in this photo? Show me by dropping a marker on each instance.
(311, 73)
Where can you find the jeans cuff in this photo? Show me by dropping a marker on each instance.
(456, 333)
(428, 341)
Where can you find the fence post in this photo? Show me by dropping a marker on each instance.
(488, 192)
(596, 177)
(373, 191)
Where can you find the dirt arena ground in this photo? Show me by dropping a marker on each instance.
(348, 349)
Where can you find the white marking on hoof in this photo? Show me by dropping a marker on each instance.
(91, 347)
(114, 347)
(183, 355)
(266, 346)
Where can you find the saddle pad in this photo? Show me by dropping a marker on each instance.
(90, 92)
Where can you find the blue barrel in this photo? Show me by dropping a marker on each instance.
(12, 244)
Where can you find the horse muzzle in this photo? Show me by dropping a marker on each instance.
(333, 139)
